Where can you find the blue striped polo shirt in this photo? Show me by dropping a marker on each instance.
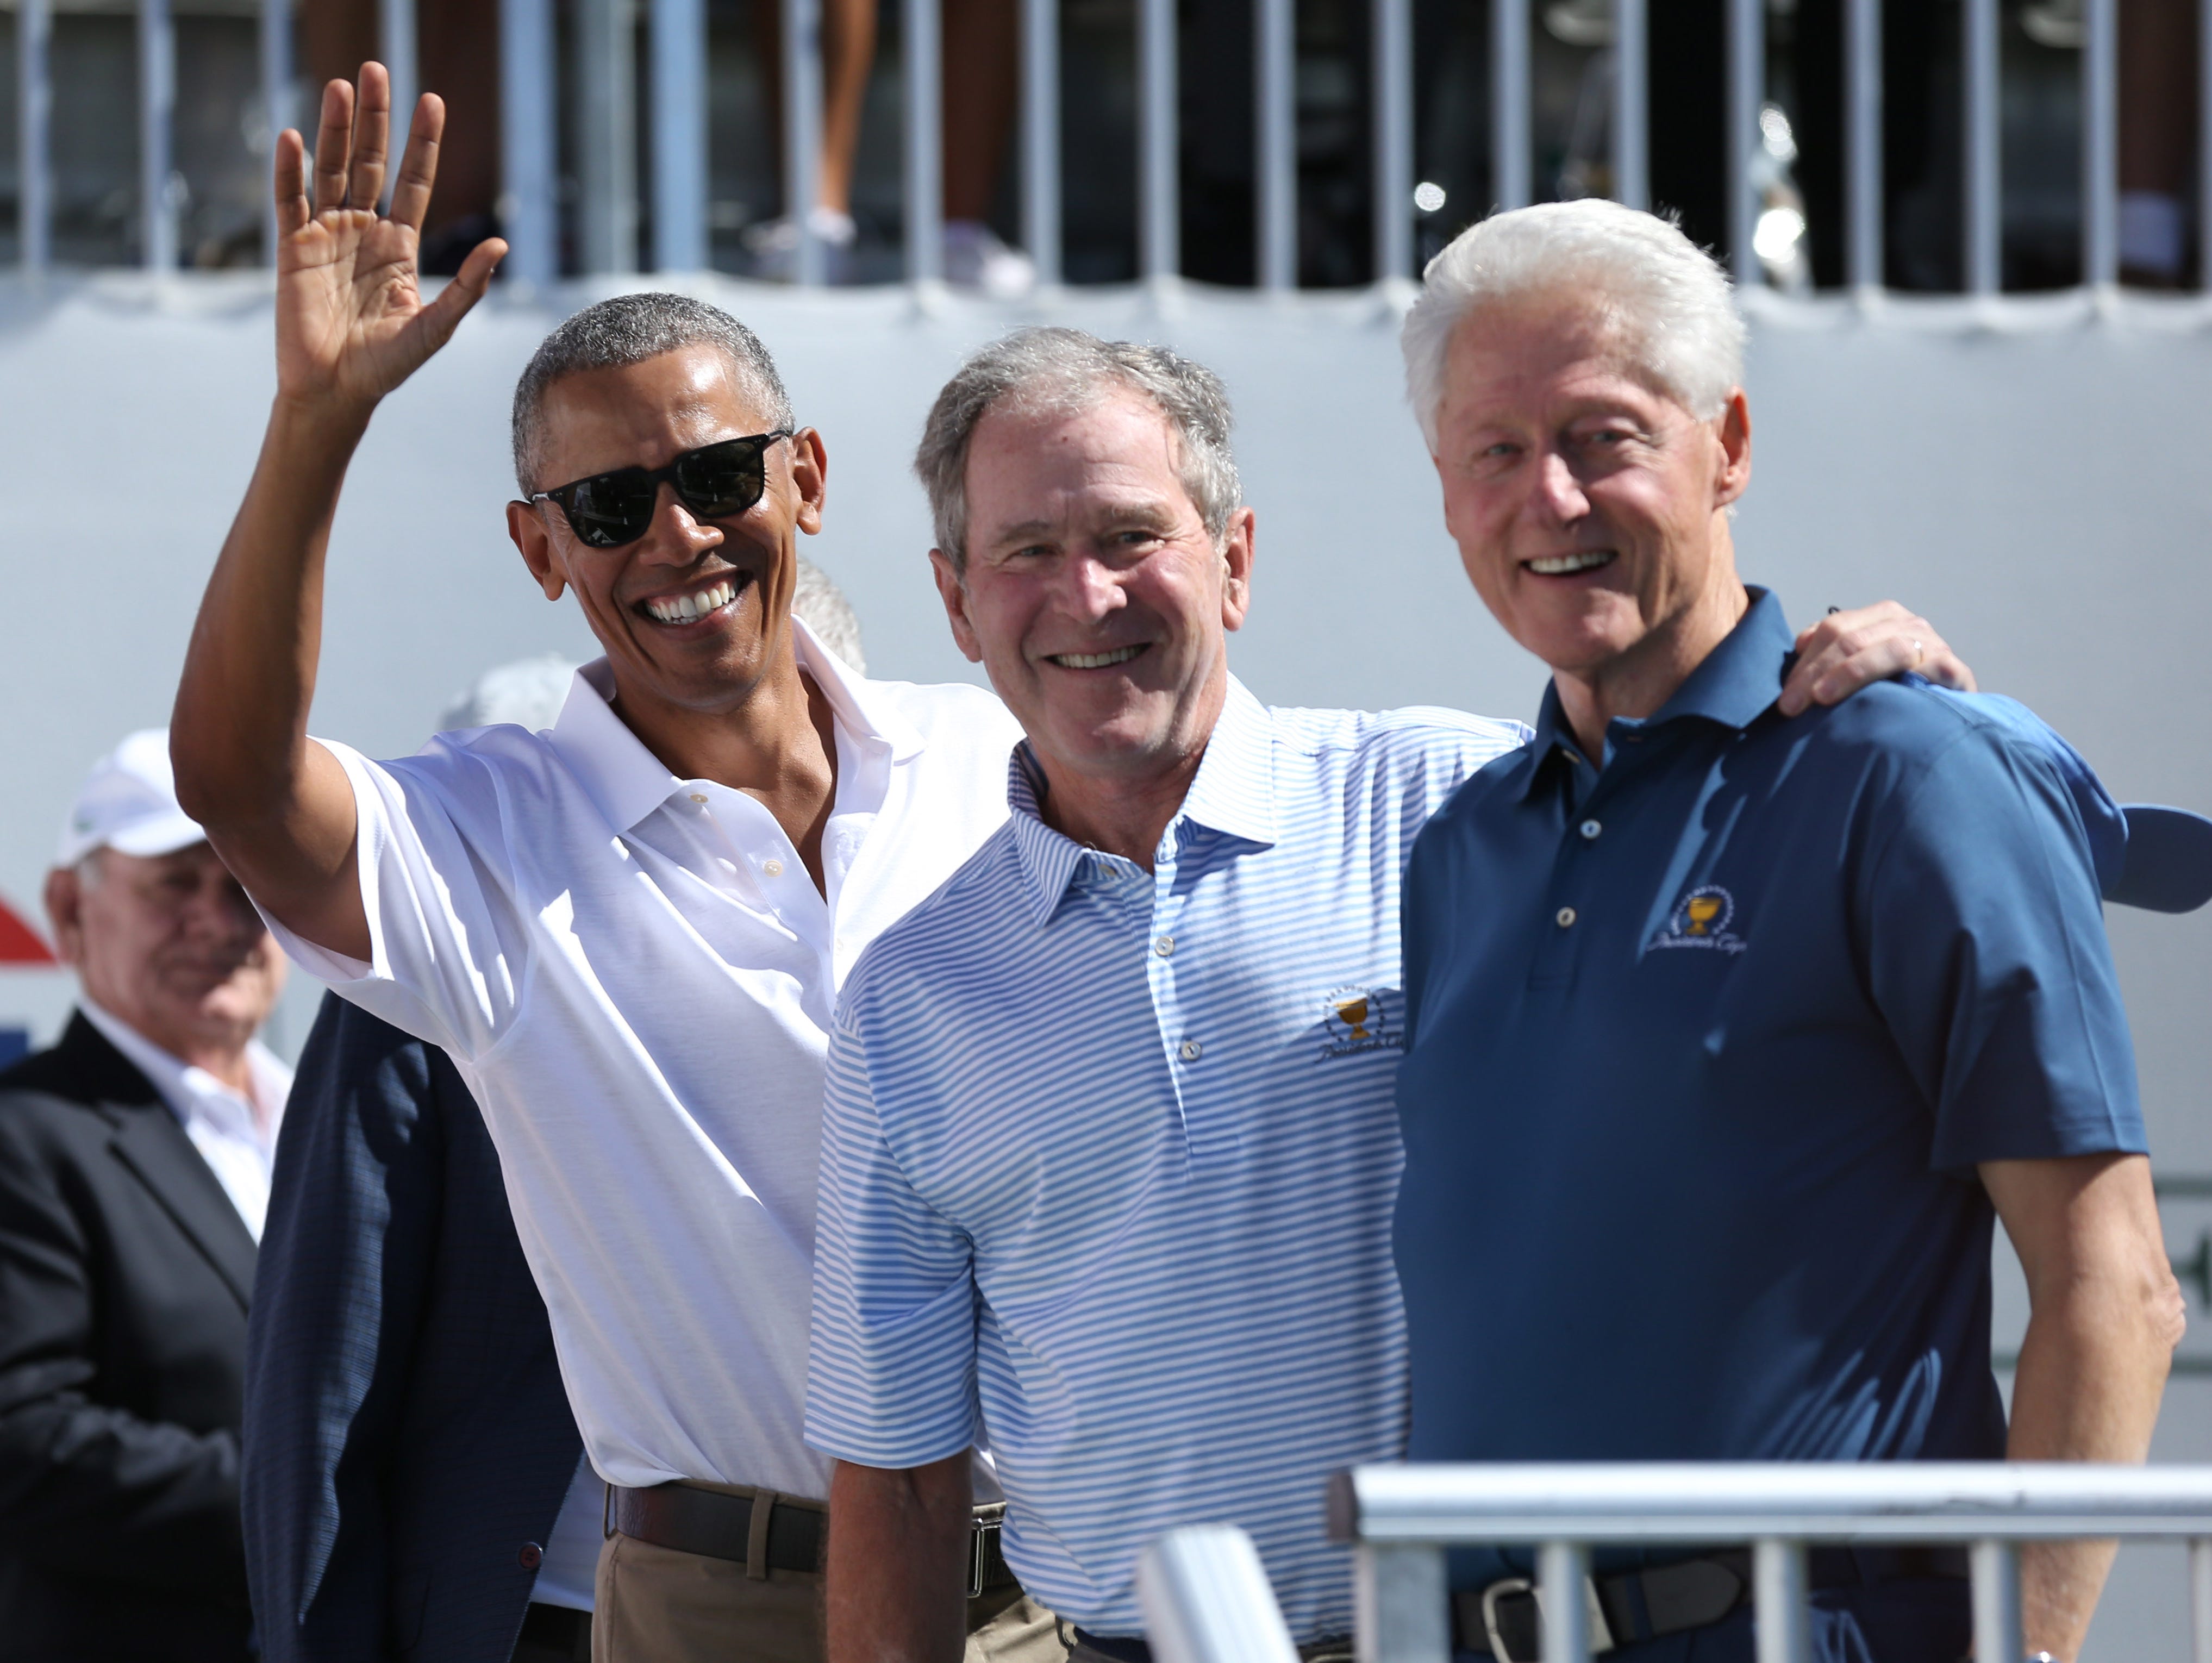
(1109, 1160)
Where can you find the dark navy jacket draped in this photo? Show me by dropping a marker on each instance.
(408, 1443)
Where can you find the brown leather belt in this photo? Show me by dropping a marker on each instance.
(720, 1526)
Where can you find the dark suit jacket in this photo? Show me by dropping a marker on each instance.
(407, 1437)
(125, 1274)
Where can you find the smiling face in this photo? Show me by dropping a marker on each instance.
(169, 944)
(695, 613)
(1589, 508)
(1092, 592)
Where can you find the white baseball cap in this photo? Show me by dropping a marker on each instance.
(129, 802)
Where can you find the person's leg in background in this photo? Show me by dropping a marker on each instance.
(848, 55)
(983, 44)
(2158, 129)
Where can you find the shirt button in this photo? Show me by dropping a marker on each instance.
(1164, 946)
(1591, 829)
(1190, 1051)
(773, 868)
(1567, 917)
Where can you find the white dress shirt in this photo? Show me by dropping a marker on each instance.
(636, 975)
(238, 1147)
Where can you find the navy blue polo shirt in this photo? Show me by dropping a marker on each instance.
(1706, 1046)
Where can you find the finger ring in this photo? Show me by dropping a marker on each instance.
(1918, 651)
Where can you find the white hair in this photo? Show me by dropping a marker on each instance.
(1668, 297)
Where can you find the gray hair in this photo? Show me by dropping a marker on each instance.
(821, 605)
(1067, 370)
(1668, 298)
(628, 330)
(529, 693)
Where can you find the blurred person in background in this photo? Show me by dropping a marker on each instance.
(413, 1476)
(1746, 1021)
(135, 1164)
(628, 932)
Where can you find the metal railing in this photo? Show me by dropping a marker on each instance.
(1402, 1518)
(679, 191)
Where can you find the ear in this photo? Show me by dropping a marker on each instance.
(1237, 556)
(64, 899)
(1733, 429)
(810, 475)
(952, 590)
(527, 527)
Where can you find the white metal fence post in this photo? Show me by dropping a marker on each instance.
(678, 55)
(1274, 141)
(1631, 104)
(529, 207)
(1747, 84)
(1040, 137)
(1562, 1585)
(2200, 1600)
(277, 110)
(158, 184)
(1863, 188)
(1510, 167)
(1778, 1589)
(802, 132)
(396, 42)
(1996, 1598)
(35, 190)
(2100, 143)
(1392, 47)
(1982, 180)
(607, 65)
(1159, 207)
(925, 161)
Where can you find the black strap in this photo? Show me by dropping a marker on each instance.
(1656, 1600)
(719, 1526)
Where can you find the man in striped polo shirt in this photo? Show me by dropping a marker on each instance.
(1109, 1147)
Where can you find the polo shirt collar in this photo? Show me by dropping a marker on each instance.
(627, 782)
(1734, 685)
(1233, 794)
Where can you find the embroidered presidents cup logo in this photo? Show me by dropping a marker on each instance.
(1356, 1019)
(1701, 918)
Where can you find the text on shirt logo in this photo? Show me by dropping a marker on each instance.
(1701, 918)
(1358, 1019)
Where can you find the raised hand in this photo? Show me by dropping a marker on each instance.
(351, 322)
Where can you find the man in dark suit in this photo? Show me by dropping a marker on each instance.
(408, 1441)
(134, 1171)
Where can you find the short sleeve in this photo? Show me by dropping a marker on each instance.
(892, 1374)
(447, 950)
(1987, 955)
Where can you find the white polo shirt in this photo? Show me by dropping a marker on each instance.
(636, 975)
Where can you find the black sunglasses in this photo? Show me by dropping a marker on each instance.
(714, 482)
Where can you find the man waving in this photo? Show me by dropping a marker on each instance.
(627, 930)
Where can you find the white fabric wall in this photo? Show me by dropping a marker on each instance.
(2035, 484)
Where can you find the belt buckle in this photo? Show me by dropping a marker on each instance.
(976, 1527)
(1600, 1631)
(1491, 1595)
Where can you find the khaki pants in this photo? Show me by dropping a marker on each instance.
(657, 1605)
